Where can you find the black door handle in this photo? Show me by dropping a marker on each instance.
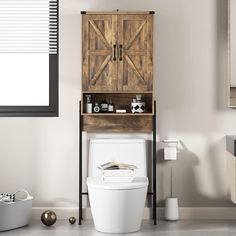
(114, 52)
(120, 52)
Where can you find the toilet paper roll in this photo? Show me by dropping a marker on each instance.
(170, 153)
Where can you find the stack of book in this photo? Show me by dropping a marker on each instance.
(112, 172)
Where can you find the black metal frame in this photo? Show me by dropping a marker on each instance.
(84, 12)
(41, 111)
(154, 201)
(153, 193)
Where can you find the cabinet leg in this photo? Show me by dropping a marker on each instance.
(80, 165)
(154, 166)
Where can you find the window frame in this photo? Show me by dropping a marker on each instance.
(41, 111)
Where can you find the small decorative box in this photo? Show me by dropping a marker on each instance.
(138, 107)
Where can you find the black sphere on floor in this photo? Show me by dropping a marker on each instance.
(48, 218)
(72, 220)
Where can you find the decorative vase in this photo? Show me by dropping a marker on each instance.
(172, 209)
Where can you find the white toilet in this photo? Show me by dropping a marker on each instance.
(117, 207)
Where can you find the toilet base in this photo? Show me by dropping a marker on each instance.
(118, 232)
(117, 211)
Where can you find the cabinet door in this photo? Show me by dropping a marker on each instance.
(99, 65)
(135, 62)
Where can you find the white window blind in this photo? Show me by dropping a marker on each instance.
(28, 26)
(29, 57)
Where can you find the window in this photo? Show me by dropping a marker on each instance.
(28, 57)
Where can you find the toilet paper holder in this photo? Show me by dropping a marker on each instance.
(170, 151)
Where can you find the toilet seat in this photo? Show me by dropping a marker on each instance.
(138, 182)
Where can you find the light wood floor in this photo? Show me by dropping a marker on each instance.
(180, 228)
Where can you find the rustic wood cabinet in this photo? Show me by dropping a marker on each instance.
(117, 51)
(117, 64)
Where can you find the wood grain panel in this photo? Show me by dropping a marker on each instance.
(85, 50)
(100, 70)
(98, 37)
(135, 68)
(101, 35)
(117, 123)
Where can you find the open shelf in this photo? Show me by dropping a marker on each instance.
(120, 101)
(117, 123)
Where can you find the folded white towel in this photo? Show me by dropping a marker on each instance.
(117, 179)
(117, 173)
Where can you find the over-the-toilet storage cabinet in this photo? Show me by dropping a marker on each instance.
(117, 52)
(117, 64)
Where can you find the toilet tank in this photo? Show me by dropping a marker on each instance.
(129, 151)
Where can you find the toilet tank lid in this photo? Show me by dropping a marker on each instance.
(123, 140)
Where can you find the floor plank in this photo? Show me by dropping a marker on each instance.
(164, 228)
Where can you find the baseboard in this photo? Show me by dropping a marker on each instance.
(186, 213)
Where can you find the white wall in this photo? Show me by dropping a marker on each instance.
(41, 154)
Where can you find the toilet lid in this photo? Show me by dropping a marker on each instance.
(138, 182)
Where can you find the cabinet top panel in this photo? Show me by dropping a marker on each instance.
(117, 12)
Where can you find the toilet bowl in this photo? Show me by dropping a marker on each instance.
(117, 207)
